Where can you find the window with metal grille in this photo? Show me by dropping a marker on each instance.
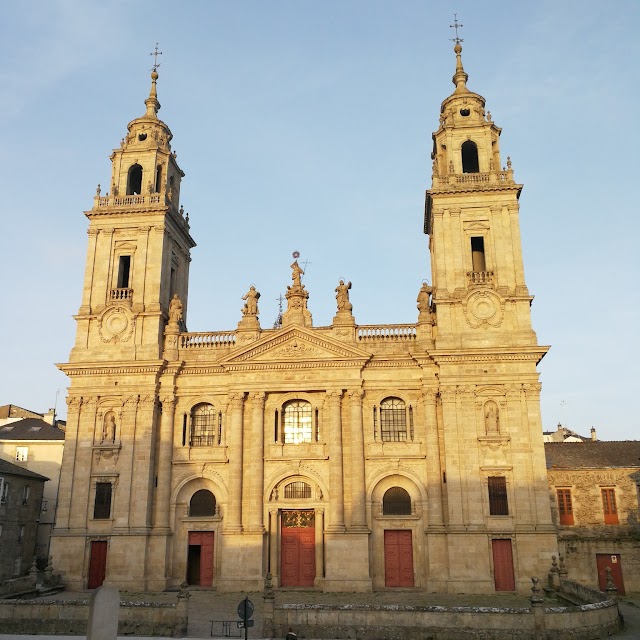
(102, 504)
(204, 431)
(396, 502)
(393, 420)
(609, 506)
(565, 507)
(297, 419)
(498, 505)
(203, 503)
(297, 490)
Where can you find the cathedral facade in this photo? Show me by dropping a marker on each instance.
(339, 458)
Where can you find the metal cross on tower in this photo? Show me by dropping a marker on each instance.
(155, 55)
(456, 25)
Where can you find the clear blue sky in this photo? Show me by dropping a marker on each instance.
(307, 126)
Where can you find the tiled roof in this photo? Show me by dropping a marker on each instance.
(592, 454)
(30, 429)
(6, 468)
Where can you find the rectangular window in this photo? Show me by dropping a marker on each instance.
(498, 496)
(609, 506)
(102, 505)
(124, 268)
(17, 566)
(22, 454)
(4, 495)
(26, 491)
(477, 254)
(565, 507)
(0, 529)
(21, 533)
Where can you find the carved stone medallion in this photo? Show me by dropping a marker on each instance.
(116, 324)
(484, 308)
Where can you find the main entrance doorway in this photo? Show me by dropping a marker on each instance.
(298, 567)
(503, 565)
(611, 560)
(398, 558)
(200, 558)
(97, 564)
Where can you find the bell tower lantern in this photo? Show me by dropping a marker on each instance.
(139, 246)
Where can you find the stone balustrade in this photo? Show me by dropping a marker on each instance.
(386, 332)
(119, 295)
(208, 340)
(474, 180)
(129, 200)
(480, 277)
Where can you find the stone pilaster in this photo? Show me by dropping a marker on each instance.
(163, 490)
(253, 484)
(336, 481)
(358, 515)
(74, 404)
(236, 419)
(434, 471)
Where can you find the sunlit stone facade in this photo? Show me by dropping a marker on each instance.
(340, 458)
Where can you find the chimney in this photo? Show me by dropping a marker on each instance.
(50, 417)
(593, 434)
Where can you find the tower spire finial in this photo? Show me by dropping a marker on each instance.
(460, 77)
(153, 106)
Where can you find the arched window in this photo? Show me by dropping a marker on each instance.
(134, 180)
(203, 503)
(297, 490)
(204, 430)
(470, 157)
(393, 420)
(159, 178)
(297, 422)
(396, 502)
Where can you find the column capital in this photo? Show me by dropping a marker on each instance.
(448, 394)
(334, 395)
(168, 400)
(429, 395)
(356, 395)
(257, 397)
(236, 399)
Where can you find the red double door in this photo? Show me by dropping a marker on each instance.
(97, 564)
(200, 558)
(503, 575)
(298, 556)
(398, 558)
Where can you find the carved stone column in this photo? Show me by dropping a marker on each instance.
(274, 538)
(453, 462)
(434, 471)
(253, 486)
(358, 513)
(165, 448)
(142, 482)
(336, 482)
(74, 404)
(319, 540)
(234, 507)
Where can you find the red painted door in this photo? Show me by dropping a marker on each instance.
(611, 560)
(200, 560)
(503, 565)
(298, 557)
(97, 564)
(398, 559)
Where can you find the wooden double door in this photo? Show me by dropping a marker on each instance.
(298, 551)
(97, 564)
(200, 558)
(398, 558)
(503, 575)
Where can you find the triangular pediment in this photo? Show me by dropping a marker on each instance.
(295, 344)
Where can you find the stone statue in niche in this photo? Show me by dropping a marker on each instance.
(175, 310)
(109, 427)
(251, 305)
(491, 418)
(342, 296)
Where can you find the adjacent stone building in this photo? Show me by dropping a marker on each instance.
(594, 489)
(343, 458)
(20, 503)
(37, 445)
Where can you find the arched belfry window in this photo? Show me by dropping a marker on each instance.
(134, 180)
(159, 178)
(206, 426)
(203, 503)
(396, 502)
(297, 422)
(470, 157)
(393, 420)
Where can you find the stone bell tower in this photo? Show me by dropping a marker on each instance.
(139, 246)
(116, 465)
(494, 475)
(472, 220)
